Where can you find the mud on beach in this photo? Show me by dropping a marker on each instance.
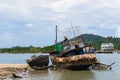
(6, 70)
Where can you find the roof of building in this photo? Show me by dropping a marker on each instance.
(107, 44)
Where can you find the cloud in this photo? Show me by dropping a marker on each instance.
(29, 25)
(65, 5)
(118, 32)
(21, 20)
(22, 8)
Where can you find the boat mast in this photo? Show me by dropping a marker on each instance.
(56, 36)
(73, 29)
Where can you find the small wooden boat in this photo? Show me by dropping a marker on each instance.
(38, 62)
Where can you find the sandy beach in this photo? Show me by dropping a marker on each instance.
(7, 69)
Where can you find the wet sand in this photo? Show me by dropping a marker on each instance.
(7, 69)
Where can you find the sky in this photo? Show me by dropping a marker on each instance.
(32, 22)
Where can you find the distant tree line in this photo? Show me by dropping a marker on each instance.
(30, 49)
(94, 40)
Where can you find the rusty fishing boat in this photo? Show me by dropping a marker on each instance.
(73, 54)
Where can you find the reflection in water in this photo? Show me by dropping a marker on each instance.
(37, 75)
(63, 75)
(58, 75)
(77, 75)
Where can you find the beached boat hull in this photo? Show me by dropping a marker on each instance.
(39, 62)
(77, 62)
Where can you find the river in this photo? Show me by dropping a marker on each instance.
(68, 74)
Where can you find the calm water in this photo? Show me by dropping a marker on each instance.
(113, 74)
(14, 58)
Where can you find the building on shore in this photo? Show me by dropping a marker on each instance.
(107, 47)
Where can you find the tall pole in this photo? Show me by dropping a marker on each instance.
(56, 35)
(56, 43)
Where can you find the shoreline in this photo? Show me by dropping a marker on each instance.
(6, 70)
